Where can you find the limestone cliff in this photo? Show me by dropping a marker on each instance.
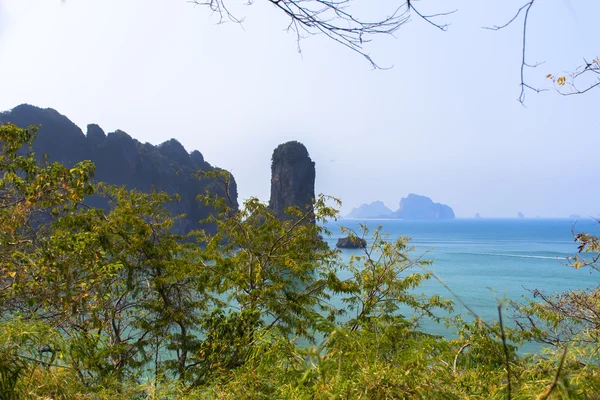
(292, 178)
(122, 160)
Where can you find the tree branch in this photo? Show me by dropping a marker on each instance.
(333, 19)
(568, 80)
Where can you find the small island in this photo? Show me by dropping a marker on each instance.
(417, 207)
(351, 243)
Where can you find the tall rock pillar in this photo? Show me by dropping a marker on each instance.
(292, 178)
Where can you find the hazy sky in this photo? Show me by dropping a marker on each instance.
(444, 122)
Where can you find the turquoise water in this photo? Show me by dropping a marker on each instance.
(488, 259)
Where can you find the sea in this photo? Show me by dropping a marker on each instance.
(484, 261)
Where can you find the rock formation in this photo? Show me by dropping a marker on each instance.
(374, 210)
(413, 207)
(122, 160)
(292, 178)
(351, 243)
(416, 207)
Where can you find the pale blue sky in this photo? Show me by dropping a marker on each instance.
(444, 122)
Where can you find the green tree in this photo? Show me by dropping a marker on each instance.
(110, 304)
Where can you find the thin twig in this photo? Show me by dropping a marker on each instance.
(45, 363)
(524, 85)
(505, 347)
(547, 392)
(463, 347)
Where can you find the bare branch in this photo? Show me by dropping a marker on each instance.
(429, 18)
(523, 54)
(497, 28)
(524, 85)
(566, 81)
(333, 19)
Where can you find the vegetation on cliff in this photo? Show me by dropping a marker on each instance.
(111, 304)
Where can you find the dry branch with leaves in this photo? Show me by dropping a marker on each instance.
(583, 79)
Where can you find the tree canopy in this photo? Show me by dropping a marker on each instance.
(99, 304)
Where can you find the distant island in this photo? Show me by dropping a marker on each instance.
(413, 207)
(374, 210)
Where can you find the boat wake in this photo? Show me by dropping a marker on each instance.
(521, 256)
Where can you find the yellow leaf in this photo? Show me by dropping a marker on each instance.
(561, 80)
(549, 76)
(12, 274)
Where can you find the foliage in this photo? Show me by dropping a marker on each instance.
(112, 304)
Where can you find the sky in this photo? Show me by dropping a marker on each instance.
(443, 122)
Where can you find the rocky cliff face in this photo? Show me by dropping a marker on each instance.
(416, 207)
(292, 178)
(122, 160)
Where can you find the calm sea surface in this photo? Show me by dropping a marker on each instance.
(483, 260)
